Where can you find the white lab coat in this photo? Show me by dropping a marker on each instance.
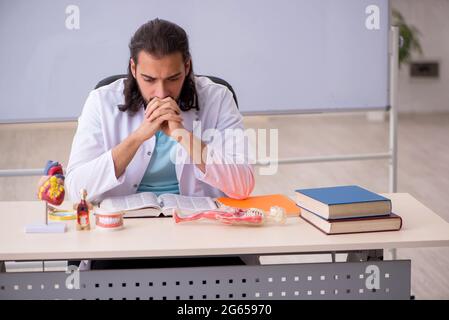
(102, 126)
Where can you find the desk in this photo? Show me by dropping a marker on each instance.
(160, 237)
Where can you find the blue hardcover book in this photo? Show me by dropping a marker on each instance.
(342, 202)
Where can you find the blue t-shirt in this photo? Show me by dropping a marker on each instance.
(160, 176)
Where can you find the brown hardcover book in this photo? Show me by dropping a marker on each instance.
(391, 222)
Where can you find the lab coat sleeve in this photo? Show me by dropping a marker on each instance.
(228, 161)
(90, 166)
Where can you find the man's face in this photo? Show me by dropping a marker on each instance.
(160, 77)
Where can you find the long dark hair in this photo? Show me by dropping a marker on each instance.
(159, 38)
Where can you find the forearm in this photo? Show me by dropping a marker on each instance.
(232, 176)
(95, 175)
(123, 153)
(194, 147)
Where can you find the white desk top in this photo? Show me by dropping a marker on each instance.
(161, 237)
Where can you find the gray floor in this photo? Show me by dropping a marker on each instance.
(423, 169)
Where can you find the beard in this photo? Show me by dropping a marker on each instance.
(146, 101)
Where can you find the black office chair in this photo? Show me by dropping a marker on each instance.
(217, 80)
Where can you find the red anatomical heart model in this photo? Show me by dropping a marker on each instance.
(51, 186)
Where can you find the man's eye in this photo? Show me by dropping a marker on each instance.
(149, 80)
(174, 79)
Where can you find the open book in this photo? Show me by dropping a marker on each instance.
(147, 204)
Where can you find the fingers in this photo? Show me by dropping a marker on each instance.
(167, 103)
(161, 111)
(152, 105)
(168, 117)
(166, 114)
(157, 103)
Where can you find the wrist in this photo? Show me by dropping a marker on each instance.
(137, 137)
(179, 134)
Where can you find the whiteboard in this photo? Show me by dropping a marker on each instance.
(280, 56)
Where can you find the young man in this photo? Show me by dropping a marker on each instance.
(127, 129)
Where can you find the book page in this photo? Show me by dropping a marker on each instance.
(131, 202)
(193, 204)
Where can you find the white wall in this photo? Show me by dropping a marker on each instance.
(431, 17)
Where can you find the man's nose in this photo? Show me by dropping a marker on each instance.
(161, 91)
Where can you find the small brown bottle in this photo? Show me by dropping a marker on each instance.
(82, 213)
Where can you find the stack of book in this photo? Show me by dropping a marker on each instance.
(347, 209)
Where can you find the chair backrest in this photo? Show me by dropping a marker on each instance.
(217, 80)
